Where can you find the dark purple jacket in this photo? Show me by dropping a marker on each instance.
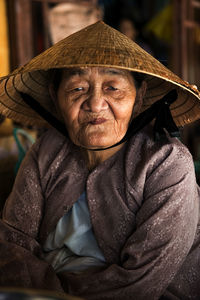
(144, 208)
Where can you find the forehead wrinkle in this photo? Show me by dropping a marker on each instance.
(113, 71)
(85, 70)
(75, 71)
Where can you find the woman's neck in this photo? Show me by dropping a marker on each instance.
(94, 158)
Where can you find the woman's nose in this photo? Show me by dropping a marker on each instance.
(96, 101)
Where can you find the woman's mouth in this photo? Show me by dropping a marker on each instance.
(97, 121)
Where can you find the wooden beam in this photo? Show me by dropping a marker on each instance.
(176, 52)
(12, 34)
(23, 31)
(46, 23)
(183, 40)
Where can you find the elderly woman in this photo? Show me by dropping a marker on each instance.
(105, 204)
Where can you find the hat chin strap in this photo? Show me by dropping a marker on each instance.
(159, 111)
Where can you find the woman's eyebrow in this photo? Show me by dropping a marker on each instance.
(113, 71)
(75, 71)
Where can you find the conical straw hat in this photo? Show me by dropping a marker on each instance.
(95, 45)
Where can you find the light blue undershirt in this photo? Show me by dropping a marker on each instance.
(72, 246)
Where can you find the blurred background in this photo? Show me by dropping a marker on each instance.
(168, 29)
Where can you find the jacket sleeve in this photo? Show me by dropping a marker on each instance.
(21, 263)
(166, 226)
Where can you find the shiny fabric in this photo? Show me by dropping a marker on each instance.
(144, 208)
(72, 245)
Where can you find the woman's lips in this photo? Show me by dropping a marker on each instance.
(97, 121)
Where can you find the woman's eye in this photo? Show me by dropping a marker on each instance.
(78, 89)
(112, 88)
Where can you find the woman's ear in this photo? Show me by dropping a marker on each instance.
(52, 93)
(139, 98)
(54, 98)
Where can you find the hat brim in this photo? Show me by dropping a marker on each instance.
(97, 45)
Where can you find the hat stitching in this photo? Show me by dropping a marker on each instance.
(23, 104)
(7, 93)
(12, 109)
(187, 111)
(182, 103)
(25, 84)
(33, 78)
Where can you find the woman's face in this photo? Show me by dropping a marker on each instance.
(96, 104)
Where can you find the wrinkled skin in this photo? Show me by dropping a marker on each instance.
(96, 104)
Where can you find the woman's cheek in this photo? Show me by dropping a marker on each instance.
(72, 120)
(122, 113)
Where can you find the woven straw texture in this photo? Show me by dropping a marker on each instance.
(95, 45)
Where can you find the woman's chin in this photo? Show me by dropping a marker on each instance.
(92, 146)
(99, 141)
(99, 144)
